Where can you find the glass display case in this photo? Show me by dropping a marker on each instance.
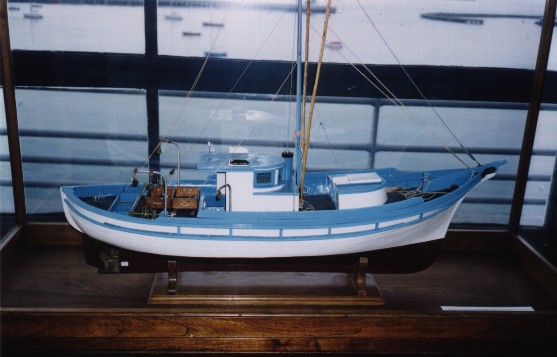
(90, 87)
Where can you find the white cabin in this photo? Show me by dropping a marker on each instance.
(264, 183)
(250, 183)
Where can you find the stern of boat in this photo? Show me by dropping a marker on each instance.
(67, 211)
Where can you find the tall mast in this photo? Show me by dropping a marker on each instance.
(299, 97)
(307, 128)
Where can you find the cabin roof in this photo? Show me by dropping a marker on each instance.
(238, 161)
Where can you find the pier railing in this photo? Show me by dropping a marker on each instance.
(51, 179)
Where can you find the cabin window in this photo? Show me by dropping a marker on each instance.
(239, 162)
(263, 178)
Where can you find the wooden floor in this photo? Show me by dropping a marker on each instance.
(478, 299)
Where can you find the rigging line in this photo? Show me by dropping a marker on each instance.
(305, 79)
(290, 94)
(291, 87)
(211, 118)
(289, 76)
(313, 95)
(333, 152)
(398, 103)
(416, 86)
(188, 95)
(234, 86)
(198, 77)
(386, 92)
(186, 100)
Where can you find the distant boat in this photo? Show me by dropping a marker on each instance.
(213, 24)
(452, 17)
(173, 16)
(335, 45)
(216, 54)
(191, 33)
(32, 15)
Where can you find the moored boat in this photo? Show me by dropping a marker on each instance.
(32, 15)
(213, 24)
(191, 33)
(174, 16)
(335, 45)
(215, 54)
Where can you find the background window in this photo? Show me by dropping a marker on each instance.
(77, 27)
(481, 33)
(7, 208)
(71, 137)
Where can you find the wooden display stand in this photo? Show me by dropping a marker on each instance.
(266, 288)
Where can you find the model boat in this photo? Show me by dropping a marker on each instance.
(266, 206)
(248, 208)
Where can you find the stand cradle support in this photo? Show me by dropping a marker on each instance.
(280, 287)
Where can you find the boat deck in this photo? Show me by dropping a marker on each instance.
(52, 301)
(319, 202)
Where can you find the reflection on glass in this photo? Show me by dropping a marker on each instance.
(195, 121)
(552, 60)
(490, 133)
(7, 209)
(230, 31)
(343, 137)
(486, 33)
(479, 129)
(265, 125)
(78, 137)
(76, 27)
(541, 169)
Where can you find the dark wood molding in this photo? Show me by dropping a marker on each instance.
(172, 331)
(104, 70)
(10, 109)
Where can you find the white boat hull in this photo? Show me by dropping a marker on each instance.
(104, 229)
(209, 233)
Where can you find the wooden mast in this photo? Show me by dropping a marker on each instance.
(307, 128)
